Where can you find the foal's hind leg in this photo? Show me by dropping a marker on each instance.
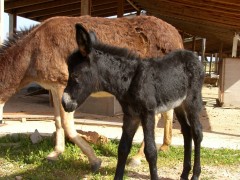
(130, 125)
(193, 109)
(148, 124)
(187, 136)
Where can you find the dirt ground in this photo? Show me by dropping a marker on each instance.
(220, 122)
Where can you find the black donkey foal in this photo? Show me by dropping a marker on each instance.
(142, 87)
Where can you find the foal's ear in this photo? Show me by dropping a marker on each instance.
(83, 40)
(93, 37)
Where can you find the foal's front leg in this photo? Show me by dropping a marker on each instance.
(130, 125)
(150, 150)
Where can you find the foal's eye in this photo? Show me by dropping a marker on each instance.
(74, 76)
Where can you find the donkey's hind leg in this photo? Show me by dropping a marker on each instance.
(187, 136)
(167, 138)
(60, 138)
(1, 112)
(136, 159)
(130, 125)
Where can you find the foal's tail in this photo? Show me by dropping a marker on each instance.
(196, 74)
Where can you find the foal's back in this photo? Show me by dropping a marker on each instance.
(167, 81)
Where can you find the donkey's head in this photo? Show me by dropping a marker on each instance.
(82, 76)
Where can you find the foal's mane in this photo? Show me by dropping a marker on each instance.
(115, 51)
(11, 40)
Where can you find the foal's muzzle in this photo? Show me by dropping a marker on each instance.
(68, 103)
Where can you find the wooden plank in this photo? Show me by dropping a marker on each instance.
(22, 3)
(66, 8)
(234, 26)
(188, 13)
(96, 12)
(215, 6)
(42, 6)
(55, 4)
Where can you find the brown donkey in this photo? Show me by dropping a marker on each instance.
(39, 55)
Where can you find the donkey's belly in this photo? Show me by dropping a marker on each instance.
(169, 105)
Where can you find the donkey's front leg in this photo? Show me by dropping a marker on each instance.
(150, 150)
(130, 125)
(59, 136)
(70, 131)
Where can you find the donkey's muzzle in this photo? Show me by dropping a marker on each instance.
(68, 103)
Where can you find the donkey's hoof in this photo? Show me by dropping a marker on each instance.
(134, 162)
(164, 148)
(95, 167)
(53, 156)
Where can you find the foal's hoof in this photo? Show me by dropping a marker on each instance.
(53, 156)
(194, 178)
(95, 167)
(134, 162)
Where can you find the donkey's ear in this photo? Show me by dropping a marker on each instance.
(83, 40)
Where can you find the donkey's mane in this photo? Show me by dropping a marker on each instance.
(115, 51)
(11, 40)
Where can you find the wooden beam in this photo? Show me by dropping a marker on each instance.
(203, 49)
(194, 43)
(1, 21)
(236, 38)
(86, 7)
(133, 5)
(120, 8)
(12, 23)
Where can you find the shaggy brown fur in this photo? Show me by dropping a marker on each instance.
(40, 57)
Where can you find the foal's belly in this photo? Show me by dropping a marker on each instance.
(170, 105)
